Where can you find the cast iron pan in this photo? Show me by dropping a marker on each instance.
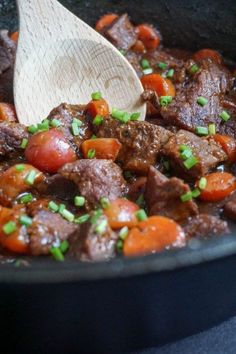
(125, 305)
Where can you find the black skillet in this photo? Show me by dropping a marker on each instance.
(126, 304)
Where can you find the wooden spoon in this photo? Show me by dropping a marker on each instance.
(61, 59)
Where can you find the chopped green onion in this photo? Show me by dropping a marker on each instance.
(183, 147)
(145, 64)
(202, 101)
(32, 129)
(79, 201)
(96, 96)
(30, 178)
(190, 162)
(185, 152)
(77, 121)
(201, 131)
(162, 65)
(82, 219)
(170, 73)
(212, 129)
(25, 220)
(104, 202)
(91, 153)
(123, 233)
(141, 215)
(101, 227)
(26, 198)
(195, 193)
(123, 117)
(194, 69)
(24, 143)
(225, 116)
(126, 117)
(61, 208)
(165, 100)
(9, 227)
(96, 215)
(98, 120)
(57, 254)
(55, 123)
(93, 137)
(202, 183)
(44, 126)
(67, 215)
(75, 129)
(53, 206)
(20, 167)
(119, 245)
(140, 200)
(64, 246)
(148, 71)
(186, 197)
(135, 116)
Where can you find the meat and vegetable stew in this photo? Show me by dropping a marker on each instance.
(92, 182)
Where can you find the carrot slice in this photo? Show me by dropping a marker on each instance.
(98, 107)
(155, 82)
(219, 185)
(153, 235)
(7, 112)
(105, 148)
(120, 213)
(149, 36)
(105, 21)
(14, 36)
(208, 53)
(138, 47)
(228, 144)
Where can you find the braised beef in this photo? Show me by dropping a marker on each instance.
(207, 152)
(96, 179)
(230, 209)
(92, 245)
(7, 57)
(163, 197)
(11, 136)
(141, 142)
(205, 225)
(58, 186)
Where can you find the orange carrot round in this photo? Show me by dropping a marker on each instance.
(7, 112)
(105, 148)
(149, 36)
(98, 107)
(121, 212)
(153, 235)
(104, 21)
(14, 36)
(138, 47)
(219, 185)
(228, 144)
(208, 53)
(155, 82)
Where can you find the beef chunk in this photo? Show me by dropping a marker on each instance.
(212, 82)
(11, 135)
(206, 150)
(121, 33)
(59, 187)
(48, 229)
(205, 225)
(95, 179)
(91, 245)
(230, 209)
(141, 142)
(162, 197)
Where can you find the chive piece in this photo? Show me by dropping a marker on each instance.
(26, 198)
(55, 123)
(79, 201)
(141, 215)
(126, 117)
(93, 137)
(104, 202)
(165, 100)
(123, 233)
(195, 193)
(20, 167)
(61, 208)
(135, 116)
(162, 65)
(82, 219)
(202, 101)
(140, 200)
(190, 162)
(32, 129)
(201, 131)
(194, 69)
(9, 227)
(101, 228)
(186, 197)
(98, 120)
(44, 126)
(91, 153)
(77, 121)
(68, 215)
(64, 246)
(30, 178)
(119, 246)
(25, 220)
(212, 129)
(202, 183)
(185, 152)
(24, 143)
(96, 215)
(148, 71)
(96, 96)
(53, 206)
(57, 254)
(170, 73)
(115, 113)
(145, 64)
(225, 116)
(183, 147)
(75, 129)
